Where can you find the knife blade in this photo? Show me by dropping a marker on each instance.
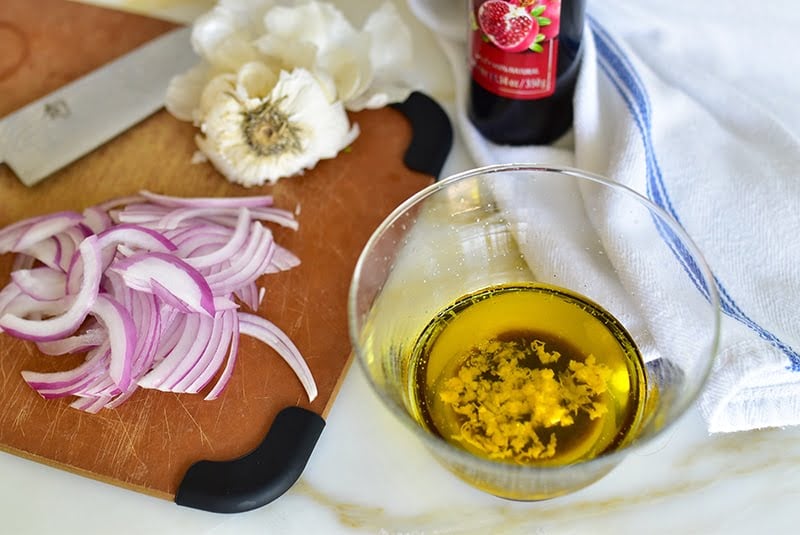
(47, 134)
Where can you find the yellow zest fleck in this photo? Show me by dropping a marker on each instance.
(510, 402)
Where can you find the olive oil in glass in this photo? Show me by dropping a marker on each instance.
(529, 374)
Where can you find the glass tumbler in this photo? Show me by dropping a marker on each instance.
(521, 225)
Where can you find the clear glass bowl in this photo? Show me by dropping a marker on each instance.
(511, 224)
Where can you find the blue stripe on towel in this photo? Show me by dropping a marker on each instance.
(615, 64)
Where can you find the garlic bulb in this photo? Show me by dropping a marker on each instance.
(276, 78)
(253, 140)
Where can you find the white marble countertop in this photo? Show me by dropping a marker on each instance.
(368, 474)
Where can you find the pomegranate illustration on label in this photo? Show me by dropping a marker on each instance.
(516, 26)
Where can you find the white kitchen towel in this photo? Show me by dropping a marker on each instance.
(694, 105)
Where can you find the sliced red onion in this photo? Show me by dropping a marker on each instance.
(227, 372)
(67, 323)
(284, 218)
(69, 382)
(207, 360)
(245, 266)
(122, 336)
(22, 234)
(268, 333)
(176, 365)
(7, 296)
(66, 245)
(41, 283)
(145, 285)
(25, 306)
(140, 216)
(282, 260)
(249, 295)
(111, 204)
(145, 311)
(170, 355)
(137, 237)
(97, 219)
(48, 252)
(202, 373)
(77, 343)
(234, 243)
(91, 404)
(208, 202)
(46, 228)
(168, 277)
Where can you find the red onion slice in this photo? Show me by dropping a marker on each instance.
(268, 333)
(137, 237)
(176, 365)
(282, 260)
(234, 243)
(145, 312)
(173, 350)
(48, 252)
(68, 322)
(227, 372)
(122, 336)
(25, 233)
(246, 266)
(208, 361)
(249, 295)
(77, 343)
(97, 219)
(41, 283)
(71, 381)
(24, 306)
(168, 277)
(91, 404)
(208, 202)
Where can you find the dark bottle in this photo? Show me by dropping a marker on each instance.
(524, 62)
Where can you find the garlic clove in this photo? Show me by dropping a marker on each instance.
(289, 54)
(184, 91)
(255, 79)
(222, 40)
(349, 66)
(214, 90)
(318, 23)
(391, 48)
(390, 53)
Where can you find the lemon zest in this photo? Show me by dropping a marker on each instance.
(510, 402)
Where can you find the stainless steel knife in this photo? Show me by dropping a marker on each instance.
(48, 134)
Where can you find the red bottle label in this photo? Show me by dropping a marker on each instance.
(514, 46)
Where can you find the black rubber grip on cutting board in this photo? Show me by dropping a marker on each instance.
(432, 134)
(260, 476)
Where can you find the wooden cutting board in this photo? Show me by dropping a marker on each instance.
(150, 442)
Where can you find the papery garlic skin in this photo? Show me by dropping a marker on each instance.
(258, 140)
